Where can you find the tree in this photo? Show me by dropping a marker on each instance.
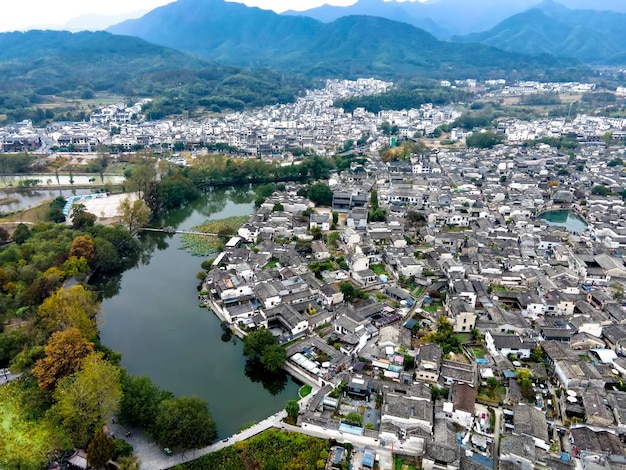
(142, 176)
(484, 140)
(4, 235)
(21, 234)
(537, 354)
(354, 418)
(348, 291)
(135, 214)
(316, 232)
(335, 217)
(320, 194)
(73, 307)
(492, 385)
(64, 354)
(184, 423)
(81, 218)
(374, 199)
(88, 398)
(83, 246)
(273, 358)
(601, 190)
(293, 409)
(256, 341)
(100, 449)
(140, 401)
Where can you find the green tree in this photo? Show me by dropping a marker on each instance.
(21, 234)
(100, 449)
(142, 176)
(293, 409)
(354, 418)
(256, 341)
(4, 235)
(316, 232)
(348, 291)
(320, 194)
(135, 214)
(335, 217)
(184, 423)
(73, 307)
(537, 354)
(87, 399)
(492, 385)
(374, 199)
(274, 358)
(140, 401)
(484, 140)
(601, 190)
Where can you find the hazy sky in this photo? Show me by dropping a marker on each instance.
(25, 14)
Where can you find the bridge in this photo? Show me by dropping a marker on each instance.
(173, 230)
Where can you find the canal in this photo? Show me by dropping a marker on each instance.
(153, 318)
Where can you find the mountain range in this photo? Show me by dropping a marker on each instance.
(351, 46)
(37, 66)
(595, 37)
(445, 18)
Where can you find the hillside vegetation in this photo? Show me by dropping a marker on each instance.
(38, 67)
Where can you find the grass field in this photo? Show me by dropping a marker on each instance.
(24, 443)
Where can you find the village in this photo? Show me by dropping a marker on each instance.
(462, 306)
(466, 328)
(311, 123)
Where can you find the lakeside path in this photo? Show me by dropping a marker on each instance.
(151, 456)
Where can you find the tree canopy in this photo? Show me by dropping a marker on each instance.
(184, 423)
(88, 398)
(65, 352)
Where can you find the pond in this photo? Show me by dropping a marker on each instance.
(566, 219)
(13, 200)
(152, 316)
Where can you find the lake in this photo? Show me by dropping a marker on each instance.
(155, 321)
(566, 219)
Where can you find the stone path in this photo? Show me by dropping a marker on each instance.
(153, 458)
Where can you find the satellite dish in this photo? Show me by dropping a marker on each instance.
(571, 393)
(614, 371)
(572, 399)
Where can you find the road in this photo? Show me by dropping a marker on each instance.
(151, 456)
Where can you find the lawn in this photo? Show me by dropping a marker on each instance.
(305, 390)
(478, 353)
(24, 443)
(378, 269)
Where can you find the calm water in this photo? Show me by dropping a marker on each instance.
(25, 199)
(566, 219)
(155, 322)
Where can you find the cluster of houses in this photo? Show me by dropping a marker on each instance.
(472, 236)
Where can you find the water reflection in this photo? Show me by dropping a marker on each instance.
(274, 383)
(150, 314)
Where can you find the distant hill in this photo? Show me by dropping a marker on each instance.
(595, 37)
(37, 65)
(348, 47)
(404, 12)
(445, 18)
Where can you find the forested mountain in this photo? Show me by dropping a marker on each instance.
(404, 12)
(36, 66)
(444, 18)
(348, 47)
(590, 36)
